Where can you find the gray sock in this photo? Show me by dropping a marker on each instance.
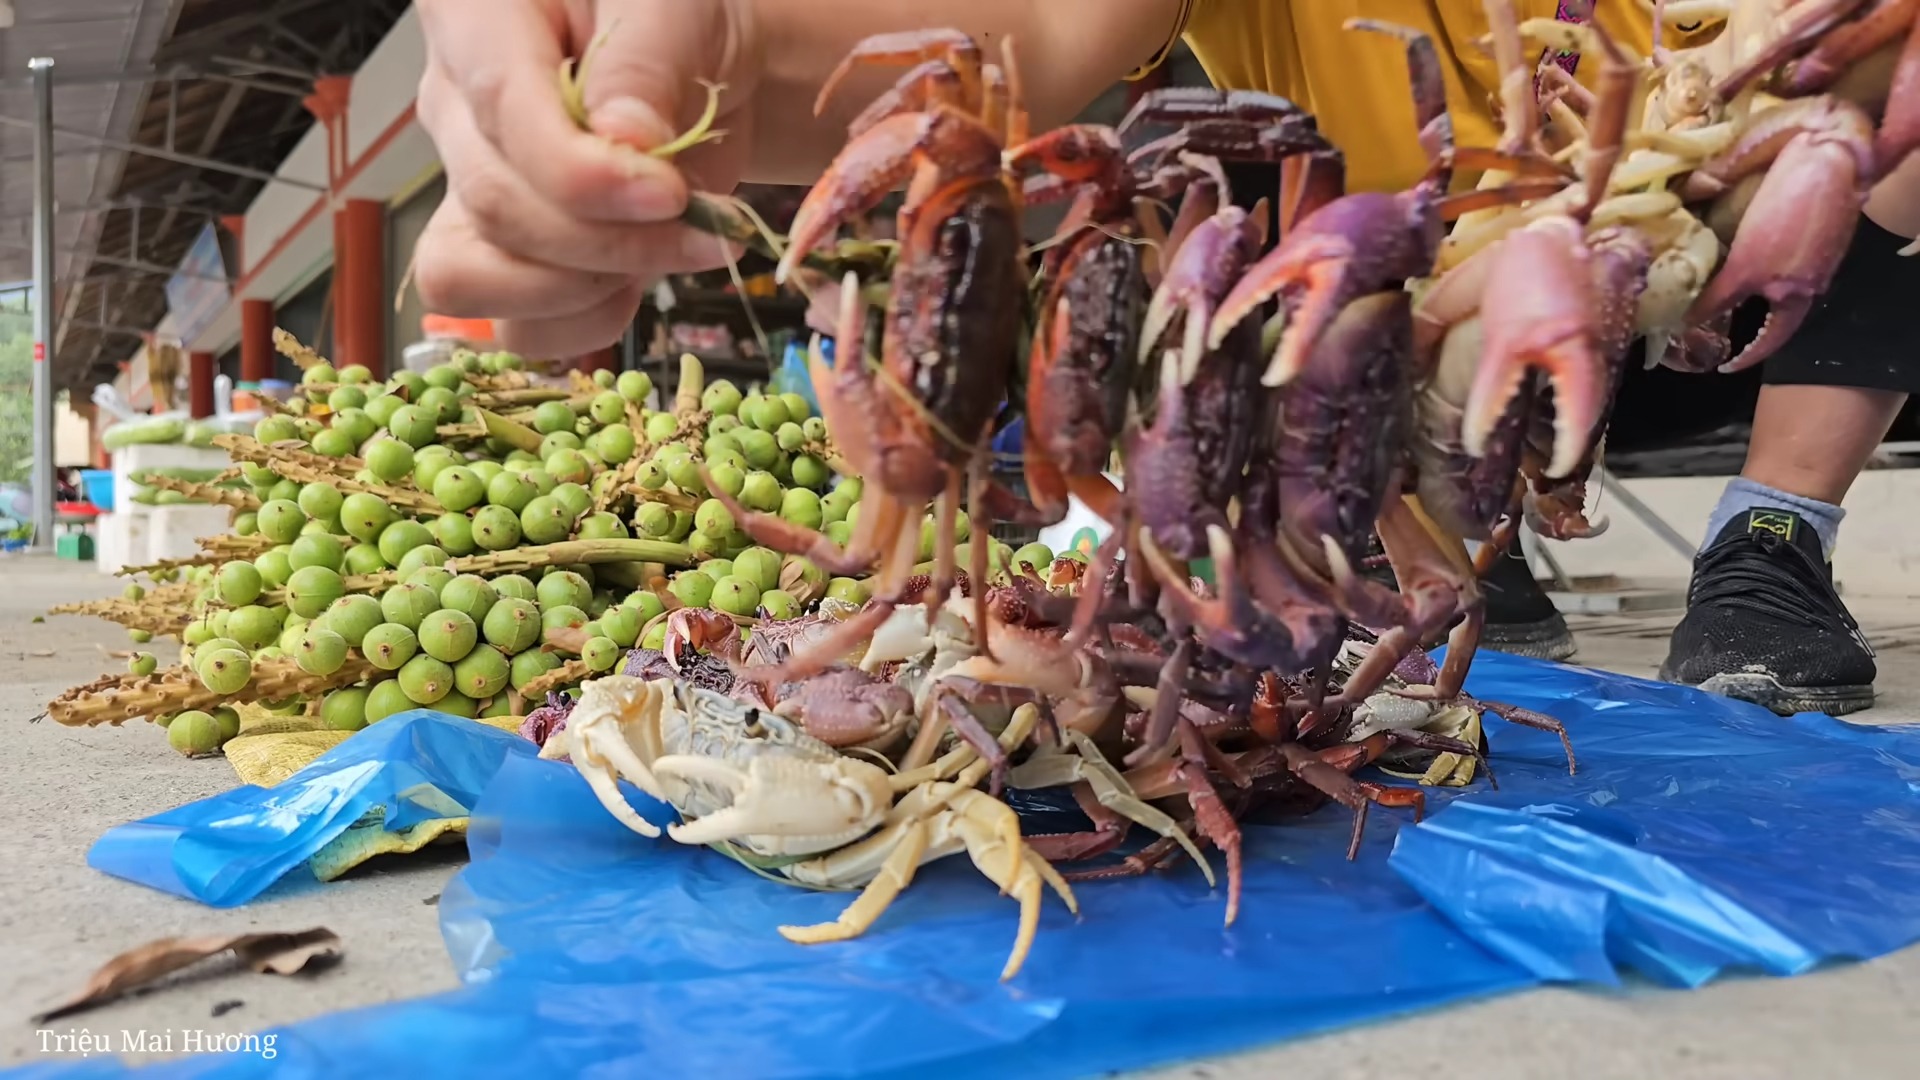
(1743, 495)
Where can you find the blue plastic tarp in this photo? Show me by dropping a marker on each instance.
(228, 849)
(1701, 835)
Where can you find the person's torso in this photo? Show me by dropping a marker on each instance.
(1355, 82)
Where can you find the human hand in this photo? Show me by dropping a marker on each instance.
(555, 233)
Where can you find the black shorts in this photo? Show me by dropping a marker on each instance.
(1861, 332)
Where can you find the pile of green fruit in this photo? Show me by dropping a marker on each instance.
(446, 538)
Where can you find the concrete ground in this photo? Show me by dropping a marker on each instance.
(59, 919)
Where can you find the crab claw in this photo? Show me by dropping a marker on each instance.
(1194, 281)
(833, 803)
(1546, 320)
(1819, 167)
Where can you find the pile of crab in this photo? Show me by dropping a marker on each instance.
(1373, 375)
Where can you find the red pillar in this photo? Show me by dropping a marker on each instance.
(602, 360)
(200, 372)
(256, 340)
(360, 285)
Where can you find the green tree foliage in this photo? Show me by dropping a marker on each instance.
(16, 394)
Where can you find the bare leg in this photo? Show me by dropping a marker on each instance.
(1813, 441)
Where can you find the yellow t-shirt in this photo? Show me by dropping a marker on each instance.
(1355, 81)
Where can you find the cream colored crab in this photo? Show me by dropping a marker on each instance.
(757, 785)
(737, 775)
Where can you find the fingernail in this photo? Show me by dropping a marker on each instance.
(631, 122)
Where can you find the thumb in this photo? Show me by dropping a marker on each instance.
(648, 59)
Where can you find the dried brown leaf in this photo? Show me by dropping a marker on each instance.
(280, 953)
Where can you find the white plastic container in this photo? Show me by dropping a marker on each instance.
(173, 530)
(140, 456)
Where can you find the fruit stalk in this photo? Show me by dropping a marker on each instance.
(115, 699)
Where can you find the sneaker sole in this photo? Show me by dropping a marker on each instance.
(1777, 697)
(1548, 639)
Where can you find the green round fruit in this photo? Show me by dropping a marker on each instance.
(514, 587)
(616, 444)
(545, 521)
(448, 635)
(333, 442)
(316, 549)
(761, 449)
(569, 467)
(600, 653)
(761, 492)
(139, 637)
(385, 699)
(501, 705)
(247, 524)
(713, 519)
(601, 526)
(320, 527)
(321, 651)
(401, 537)
(365, 517)
(290, 631)
(693, 588)
(427, 468)
(459, 488)
(224, 671)
(834, 507)
(790, 437)
(655, 637)
(512, 625)
(313, 589)
(607, 407)
(495, 528)
(441, 402)
(512, 490)
(228, 721)
(486, 469)
(482, 673)
(778, 604)
(427, 556)
(685, 474)
(380, 410)
(927, 537)
(197, 633)
(645, 604)
(216, 643)
(470, 595)
(321, 374)
(653, 520)
(240, 583)
(193, 733)
(444, 376)
(705, 546)
(810, 472)
(635, 386)
(556, 442)
(344, 710)
(848, 590)
(1039, 557)
(661, 426)
(414, 425)
(721, 397)
(276, 429)
(563, 587)
(280, 520)
(286, 490)
(575, 499)
(735, 595)
(715, 568)
(425, 680)
(454, 531)
(253, 626)
(353, 617)
(409, 604)
(389, 646)
(962, 527)
(562, 617)
(760, 566)
(142, 664)
(364, 558)
(529, 666)
(797, 406)
(769, 414)
(622, 624)
(433, 578)
(552, 416)
(319, 500)
(408, 382)
(273, 567)
(802, 508)
(345, 397)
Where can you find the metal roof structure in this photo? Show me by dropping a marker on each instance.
(168, 114)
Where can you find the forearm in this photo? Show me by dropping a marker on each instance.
(1895, 202)
(1068, 52)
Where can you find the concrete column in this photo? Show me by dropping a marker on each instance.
(256, 340)
(200, 373)
(360, 285)
(607, 359)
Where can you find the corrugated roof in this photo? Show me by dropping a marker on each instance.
(212, 79)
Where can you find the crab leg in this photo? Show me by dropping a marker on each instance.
(1110, 790)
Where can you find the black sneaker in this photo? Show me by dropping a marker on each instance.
(1765, 625)
(1520, 618)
